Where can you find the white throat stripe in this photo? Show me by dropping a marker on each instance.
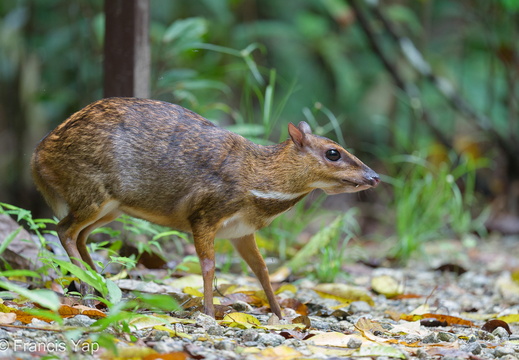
(275, 195)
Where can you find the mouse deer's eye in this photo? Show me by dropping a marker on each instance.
(333, 155)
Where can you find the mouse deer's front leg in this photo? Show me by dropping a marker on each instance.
(204, 245)
(248, 249)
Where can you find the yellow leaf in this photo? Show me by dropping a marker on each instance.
(149, 321)
(281, 352)
(478, 317)
(512, 318)
(287, 287)
(280, 274)
(241, 320)
(380, 350)
(129, 352)
(195, 281)
(334, 339)
(333, 352)
(123, 274)
(192, 291)
(173, 333)
(387, 286)
(365, 325)
(278, 327)
(420, 310)
(343, 293)
(230, 289)
(190, 267)
(6, 309)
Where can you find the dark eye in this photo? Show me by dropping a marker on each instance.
(333, 155)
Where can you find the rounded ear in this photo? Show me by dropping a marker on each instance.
(297, 134)
(304, 127)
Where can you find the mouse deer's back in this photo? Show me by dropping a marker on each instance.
(125, 150)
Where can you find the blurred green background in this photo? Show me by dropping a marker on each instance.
(446, 139)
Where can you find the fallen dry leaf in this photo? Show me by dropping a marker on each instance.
(387, 285)
(343, 293)
(178, 355)
(491, 325)
(281, 352)
(336, 339)
(7, 318)
(450, 320)
(295, 304)
(280, 274)
(512, 318)
(66, 311)
(241, 320)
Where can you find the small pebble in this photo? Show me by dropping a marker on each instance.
(445, 336)
(430, 338)
(320, 324)
(501, 333)
(345, 326)
(225, 345)
(354, 343)
(158, 335)
(249, 335)
(410, 339)
(472, 347)
(270, 339)
(242, 306)
(168, 345)
(4, 334)
(359, 307)
(79, 320)
(422, 354)
(205, 321)
(501, 351)
(215, 330)
(484, 335)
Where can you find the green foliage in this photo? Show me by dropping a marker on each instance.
(429, 203)
(38, 226)
(44, 297)
(332, 256)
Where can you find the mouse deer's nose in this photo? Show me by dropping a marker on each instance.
(375, 180)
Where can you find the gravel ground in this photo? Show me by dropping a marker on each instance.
(381, 329)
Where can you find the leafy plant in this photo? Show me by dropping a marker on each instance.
(429, 204)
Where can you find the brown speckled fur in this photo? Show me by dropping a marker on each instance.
(168, 165)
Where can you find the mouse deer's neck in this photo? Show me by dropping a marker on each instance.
(278, 172)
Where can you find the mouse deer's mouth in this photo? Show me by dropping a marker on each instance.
(371, 180)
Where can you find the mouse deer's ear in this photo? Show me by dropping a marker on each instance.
(304, 127)
(296, 134)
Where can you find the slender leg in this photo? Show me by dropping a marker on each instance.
(73, 231)
(204, 245)
(248, 249)
(83, 235)
(68, 230)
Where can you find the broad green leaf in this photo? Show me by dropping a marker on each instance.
(45, 298)
(9, 239)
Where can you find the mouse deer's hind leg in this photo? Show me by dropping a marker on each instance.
(83, 236)
(74, 229)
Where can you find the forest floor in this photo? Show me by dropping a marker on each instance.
(460, 303)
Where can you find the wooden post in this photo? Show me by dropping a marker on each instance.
(127, 48)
